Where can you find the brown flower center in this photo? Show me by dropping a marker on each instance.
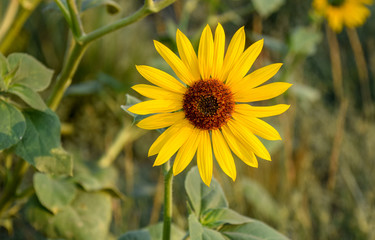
(208, 104)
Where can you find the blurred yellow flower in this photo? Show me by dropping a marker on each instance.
(209, 111)
(351, 13)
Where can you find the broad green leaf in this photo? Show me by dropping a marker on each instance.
(30, 73)
(60, 163)
(142, 234)
(87, 217)
(195, 228)
(305, 40)
(12, 125)
(54, 193)
(92, 178)
(201, 197)
(156, 231)
(209, 234)
(28, 95)
(41, 137)
(267, 7)
(254, 230)
(199, 232)
(218, 216)
(153, 232)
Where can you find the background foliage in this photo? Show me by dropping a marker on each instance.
(293, 193)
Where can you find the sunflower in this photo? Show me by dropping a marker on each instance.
(351, 13)
(207, 112)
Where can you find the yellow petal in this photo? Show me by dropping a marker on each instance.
(157, 92)
(263, 92)
(251, 111)
(161, 120)
(187, 54)
(156, 106)
(219, 45)
(245, 62)
(204, 157)
(186, 153)
(206, 53)
(255, 78)
(173, 144)
(161, 79)
(165, 136)
(248, 139)
(175, 62)
(258, 127)
(223, 155)
(239, 148)
(235, 49)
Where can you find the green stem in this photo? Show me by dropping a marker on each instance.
(148, 8)
(16, 26)
(168, 180)
(64, 11)
(9, 17)
(77, 27)
(14, 179)
(65, 78)
(82, 41)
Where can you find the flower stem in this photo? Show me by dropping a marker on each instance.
(168, 180)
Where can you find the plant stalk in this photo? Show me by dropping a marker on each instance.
(168, 180)
(16, 25)
(65, 78)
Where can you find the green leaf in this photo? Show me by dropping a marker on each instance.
(54, 193)
(87, 217)
(28, 95)
(267, 7)
(201, 197)
(254, 230)
(30, 73)
(60, 163)
(153, 232)
(142, 234)
(41, 137)
(198, 232)
(93, 178)
(112, 6)
(216, 217)
(195, 228)
(156, 231)
(12, 125)
(304, 40)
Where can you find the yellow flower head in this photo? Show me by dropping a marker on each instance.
(351, 13)
(209, 111)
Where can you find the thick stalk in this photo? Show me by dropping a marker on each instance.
(16, 26)
(168, 180)
(9, 17)
(65, 78)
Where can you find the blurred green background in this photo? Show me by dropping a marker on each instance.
(320, 184)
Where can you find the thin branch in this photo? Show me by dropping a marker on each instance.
(76, 23)
(148, 8)
(64, 11)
